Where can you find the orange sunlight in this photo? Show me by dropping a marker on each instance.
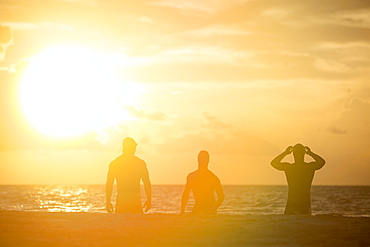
(67, 91)
(184, 123)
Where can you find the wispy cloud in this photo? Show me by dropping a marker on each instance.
(205, 6)
(335, 130)
(219, 138)
(203, 55)
(5, 40)
(93, 2)
(234, 142)
(212, 122)
(354, 55)
(40, 25)
(330, 66)
(140, 114)
(218, 30)
(353, 18)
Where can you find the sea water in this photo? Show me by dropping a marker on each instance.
(239, 199)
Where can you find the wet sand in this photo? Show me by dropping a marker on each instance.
(101, 229)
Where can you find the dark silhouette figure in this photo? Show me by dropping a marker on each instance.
(128, 170)
(203, 183)
(299, 176)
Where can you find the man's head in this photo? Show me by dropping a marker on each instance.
(129, 146)
(203, 158)
(298, 151)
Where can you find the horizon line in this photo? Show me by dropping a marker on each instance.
(159, 184)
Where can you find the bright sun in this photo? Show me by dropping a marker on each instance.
(67, 91)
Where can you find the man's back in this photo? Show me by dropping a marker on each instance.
(299, 176)
(204, 183)
(128, 172)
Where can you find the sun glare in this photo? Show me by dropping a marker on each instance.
(67, 91)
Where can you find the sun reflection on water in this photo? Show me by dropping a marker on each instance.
(67, 199)
(56, 198)
(240, 200)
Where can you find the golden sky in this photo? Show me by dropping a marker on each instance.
(240, 79)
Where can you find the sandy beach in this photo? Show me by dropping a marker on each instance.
(100, 229)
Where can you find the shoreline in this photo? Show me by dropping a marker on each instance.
(24, 228)
(189, 213)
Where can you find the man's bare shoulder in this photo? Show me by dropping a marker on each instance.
(214, 176)
(194, 173)
(203, 174)
(139, 161)
(116, 161)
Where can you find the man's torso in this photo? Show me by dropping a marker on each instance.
(128, 172)
(203, 184)
(299, 178)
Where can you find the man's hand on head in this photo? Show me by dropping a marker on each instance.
(308, 150)
(289, 150)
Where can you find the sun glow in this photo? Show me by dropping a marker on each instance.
(67, 91)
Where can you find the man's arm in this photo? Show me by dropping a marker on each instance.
(277, 164)
(109, 189)
(319, 161)
(220, 194)
(185, 196)
(147, 188)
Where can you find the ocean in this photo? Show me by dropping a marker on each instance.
(351, 201)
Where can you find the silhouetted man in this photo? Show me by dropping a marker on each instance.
(299, 176)
(128, 170)
(204, 184)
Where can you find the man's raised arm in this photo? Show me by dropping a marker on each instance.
(319, 161)
(277, 164)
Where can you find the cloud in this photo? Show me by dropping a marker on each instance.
(218, 30)
(363, 92)
(285, 16)
(145, 19)
(194, 6)
(348, 154)
(312, 13)
(5, 34)
(355, 122)
(335, 130)
(87, 2)
(353, 18)
(330, 66)
(218, 138)
(5, 40)
(352, 46)
(46, 26)
(143, 115)
(213, 122)
(203, 55)
(236, 40)
(353, 55)
(235, 142)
